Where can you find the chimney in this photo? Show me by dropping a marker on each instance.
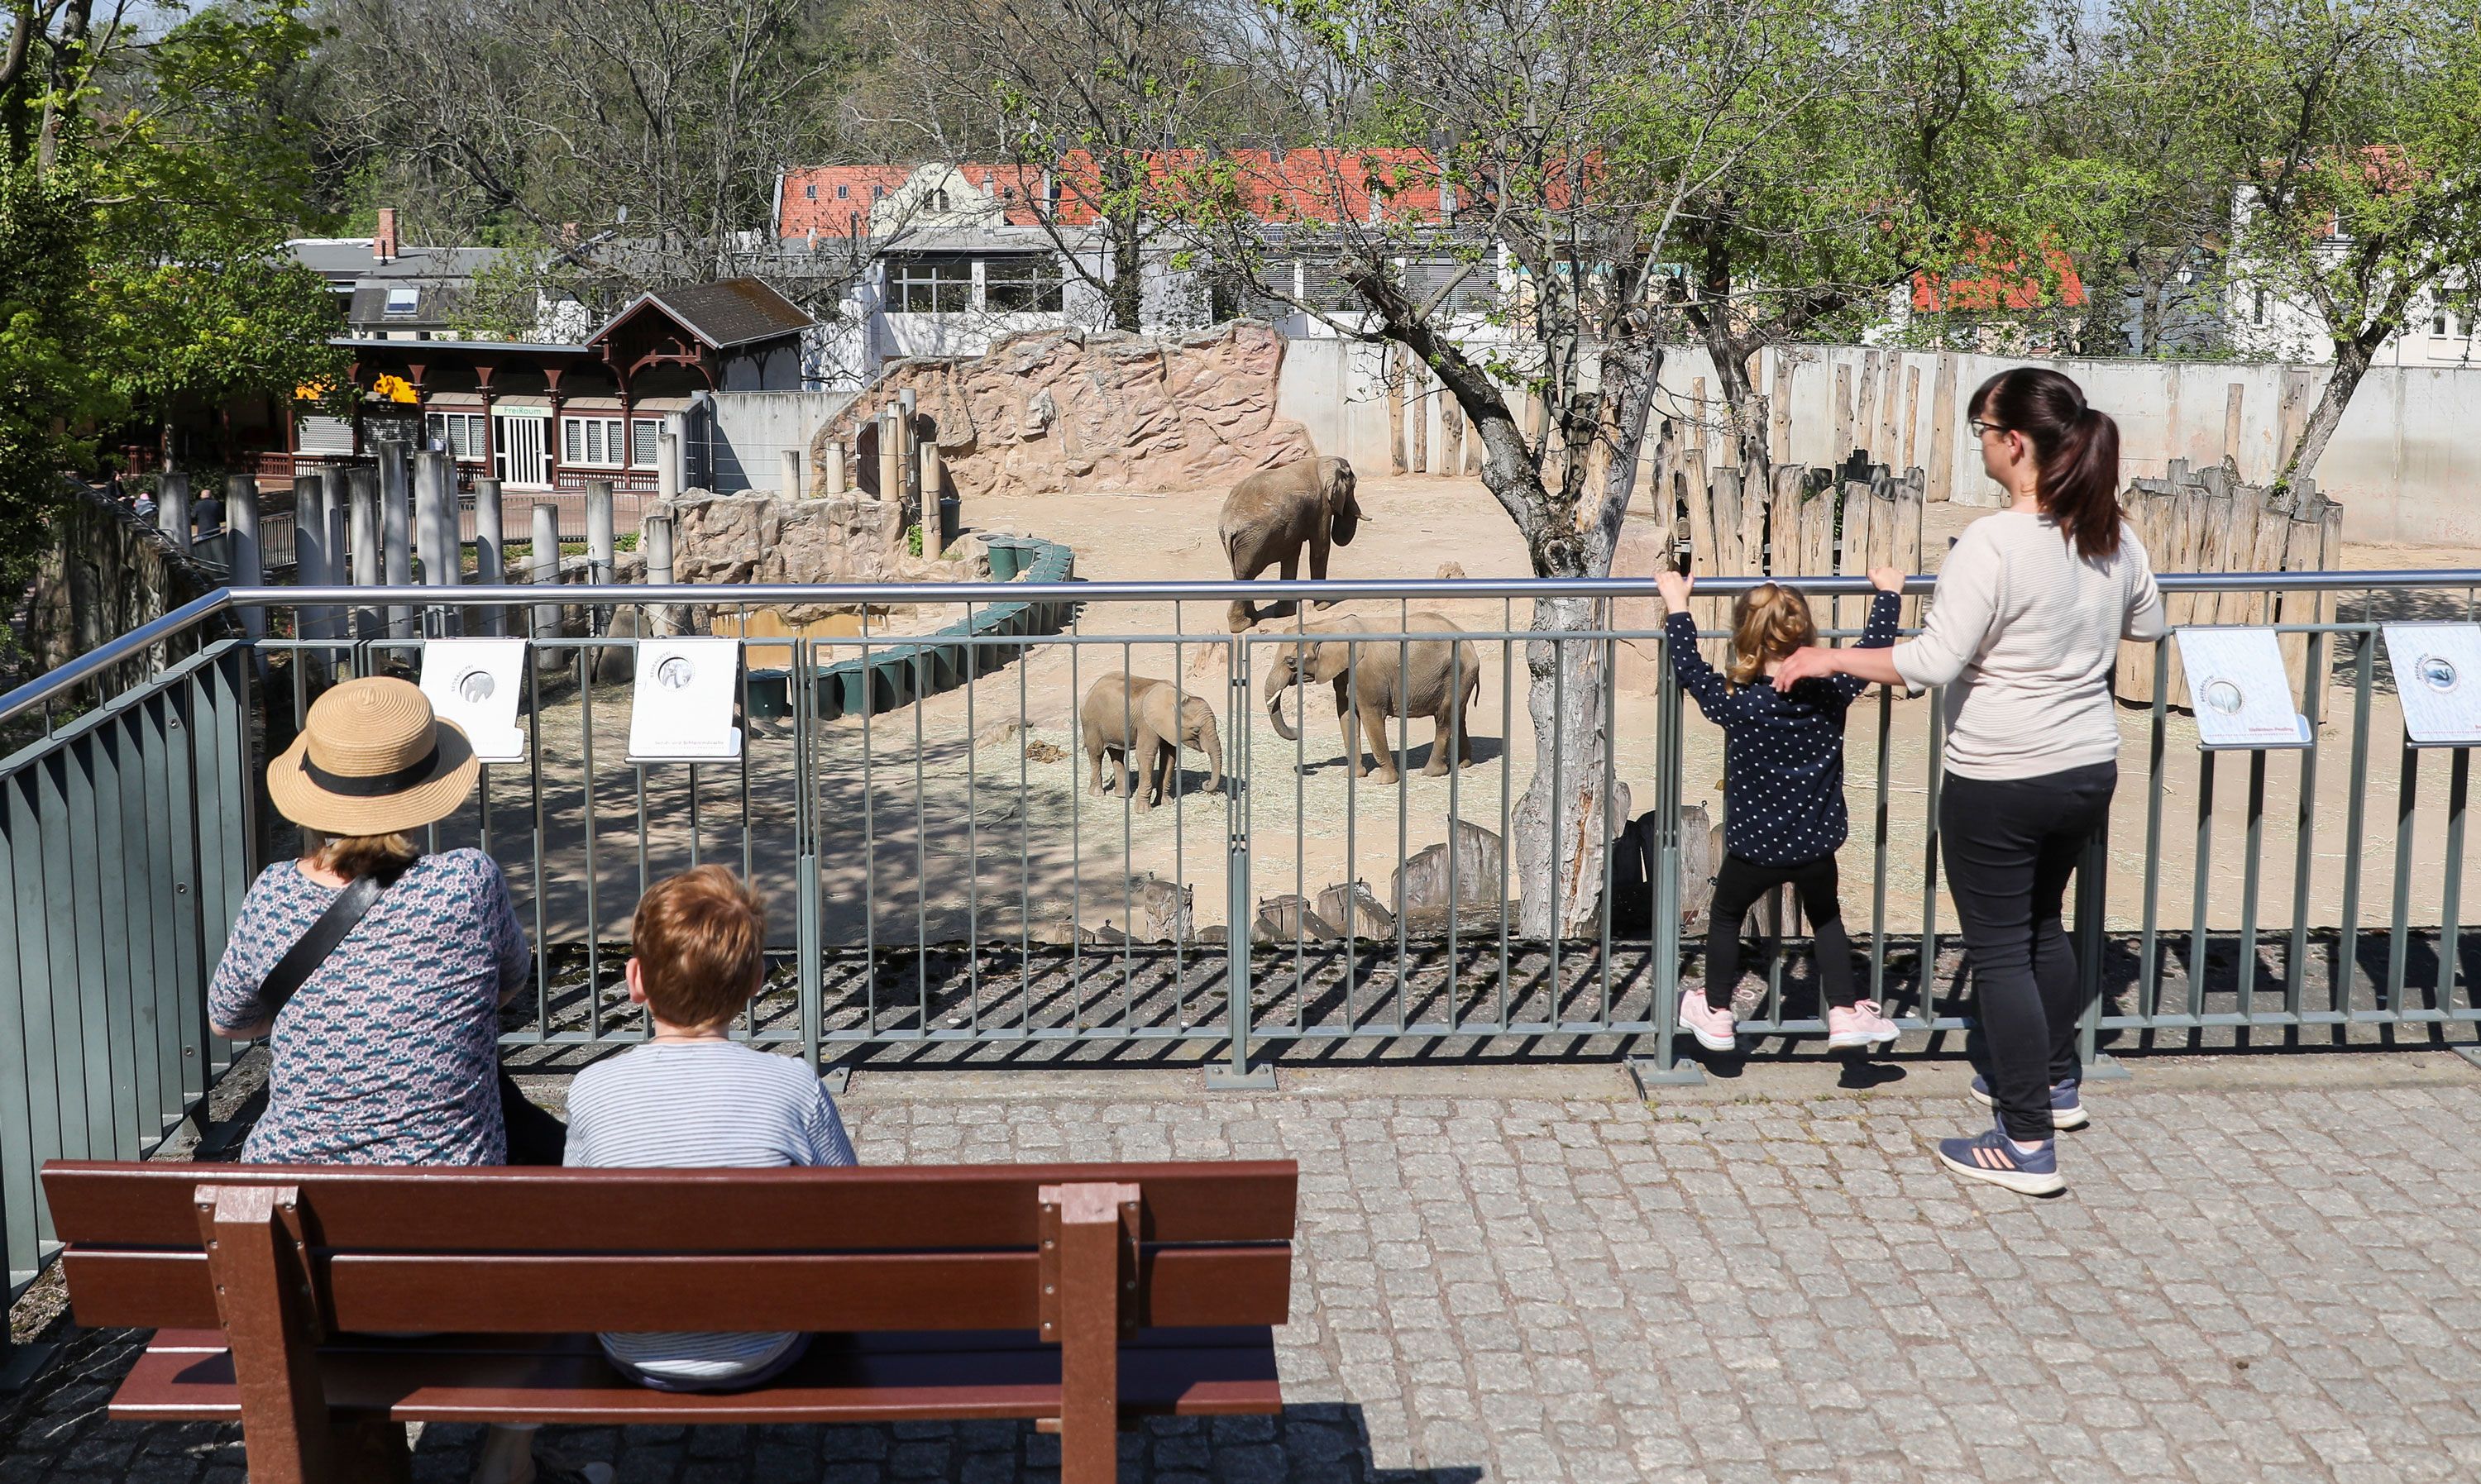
(383, 241)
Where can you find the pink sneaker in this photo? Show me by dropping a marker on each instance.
(1712, 1028)
(1861, 1026)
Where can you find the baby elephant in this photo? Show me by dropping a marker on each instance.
(1147, 722)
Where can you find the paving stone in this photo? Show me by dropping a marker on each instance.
(1518, 1290)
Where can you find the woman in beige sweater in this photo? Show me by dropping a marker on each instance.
(2030, 607)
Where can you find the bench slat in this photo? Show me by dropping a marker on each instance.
(547, 1293)
(892, 1377)
(525, 1210)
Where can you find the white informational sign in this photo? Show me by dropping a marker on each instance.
(2438, 678)
(681, 710)
(476, 683)
(2241, 695)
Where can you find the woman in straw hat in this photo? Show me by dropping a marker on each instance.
(387, 1052)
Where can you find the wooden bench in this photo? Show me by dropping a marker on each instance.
(1077, 1296)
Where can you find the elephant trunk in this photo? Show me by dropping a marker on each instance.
(1280, 678)
(1213, 747)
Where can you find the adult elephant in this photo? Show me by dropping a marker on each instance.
(1271, 515)
(1377, 677)
(1147, 722)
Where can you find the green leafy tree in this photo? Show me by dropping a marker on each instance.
(2354, 134)
(147, 189)
(1892, 144)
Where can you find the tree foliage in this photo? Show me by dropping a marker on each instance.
(622, 144)
(147, 187)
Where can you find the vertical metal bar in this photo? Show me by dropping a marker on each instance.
(869, 827)
(2306, 830)
(1456, 819)
(972, 831)
(1023, 823)
(2204, 869)
(1351, 729)
(1506, 777)
(921, 658)
(594, 860)
(1668, 767)
(1934, 767)
(1558, 846)
(541, 886)
(1237, 800)
(2399, 917)
(1403, 805)
(1878, 850)
(2295, 967)
(2450, 916)
(2246, 955)
(2347, 935)
(2149, 964)
(1610, 796)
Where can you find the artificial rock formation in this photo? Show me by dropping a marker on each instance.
(1056, 410)
(763, 537)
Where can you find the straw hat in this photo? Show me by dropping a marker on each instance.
(373, 760)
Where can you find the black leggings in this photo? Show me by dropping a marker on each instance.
(2011, 845)
(1737, 886)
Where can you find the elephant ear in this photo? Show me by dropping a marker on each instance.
(1340, 499)
(1331, 661)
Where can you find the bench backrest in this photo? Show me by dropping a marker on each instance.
(524, 1250)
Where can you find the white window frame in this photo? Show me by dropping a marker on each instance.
(412, 302)
(645, 442)
(598, 438)
(460, 433)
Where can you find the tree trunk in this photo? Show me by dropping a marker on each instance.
(2352, 359)
(1742, 402)
(1565, 821)
(1128, 278)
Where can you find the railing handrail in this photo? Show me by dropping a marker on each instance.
(43, 688)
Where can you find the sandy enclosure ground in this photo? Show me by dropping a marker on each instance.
(971, 814)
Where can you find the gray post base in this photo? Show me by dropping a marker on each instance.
(21, 1364)
(2471, 1054)
(1648, 1076)
(1221, 1077)
(2106, 1068)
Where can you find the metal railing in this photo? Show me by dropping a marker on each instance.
(948, 883)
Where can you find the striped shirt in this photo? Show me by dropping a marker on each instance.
(701, 1104)
(2023, 632)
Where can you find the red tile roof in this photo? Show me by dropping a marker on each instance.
(1302, 185)
(2005, 286)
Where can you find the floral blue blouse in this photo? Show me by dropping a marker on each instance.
(389, 1052)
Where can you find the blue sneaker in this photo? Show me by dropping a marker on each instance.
(2067, 1110)
(1994, 1158)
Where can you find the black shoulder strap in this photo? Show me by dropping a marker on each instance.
(303, 958)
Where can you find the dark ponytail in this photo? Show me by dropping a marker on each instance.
(2076, 446)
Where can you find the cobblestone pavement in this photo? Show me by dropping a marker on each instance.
(2273, 1283)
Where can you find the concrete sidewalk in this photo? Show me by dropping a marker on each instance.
(2264, 1268)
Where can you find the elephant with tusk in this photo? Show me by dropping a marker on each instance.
(1377, 677)
(1271, 515)
(1146, 721)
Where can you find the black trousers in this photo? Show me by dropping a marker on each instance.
(1737, 886)
(2012, 845)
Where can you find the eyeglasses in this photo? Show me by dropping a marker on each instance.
(1981, 429)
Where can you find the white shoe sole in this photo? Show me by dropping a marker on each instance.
(1712, 1043)
(1855, 1040)
(2017, 1180)
(2074, 1118)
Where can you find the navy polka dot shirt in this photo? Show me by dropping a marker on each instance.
(1783, 752)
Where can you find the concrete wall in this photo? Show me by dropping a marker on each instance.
(2405, 464)
(750, 431)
